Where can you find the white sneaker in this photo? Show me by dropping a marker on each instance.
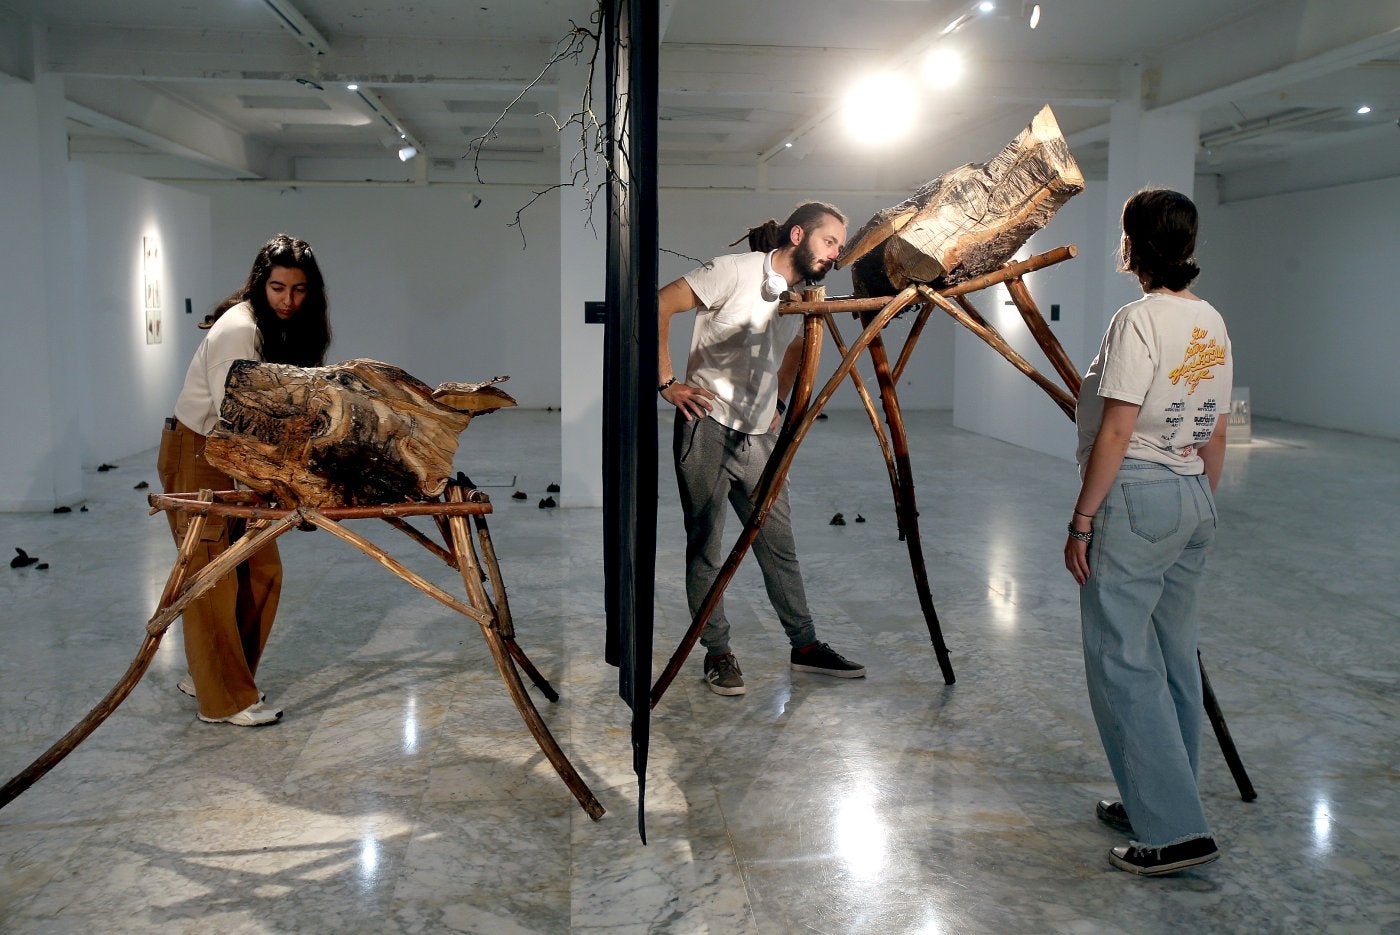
(186, 685)
(254, 715)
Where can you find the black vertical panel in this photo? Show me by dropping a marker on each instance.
(629, 363)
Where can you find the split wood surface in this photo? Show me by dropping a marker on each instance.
(463, 509)
(970, 220)
(356, 433)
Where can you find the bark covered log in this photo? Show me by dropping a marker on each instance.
(969, 221)
(358, 433)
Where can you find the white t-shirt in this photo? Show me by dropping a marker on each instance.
(1172, 356)
(738, 342)
(233, 337)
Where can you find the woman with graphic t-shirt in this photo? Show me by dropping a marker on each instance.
(1151, 447)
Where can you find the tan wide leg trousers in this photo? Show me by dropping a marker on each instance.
(227, 627)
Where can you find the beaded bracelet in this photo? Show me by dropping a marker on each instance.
(1076, 534)
(662, 387)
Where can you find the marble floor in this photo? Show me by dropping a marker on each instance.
(401, 792)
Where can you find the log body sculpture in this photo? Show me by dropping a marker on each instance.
(969, 221)
(358, 433)
(359, 440)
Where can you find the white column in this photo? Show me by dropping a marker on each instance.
(1146, 149)
(582, 265)
(41, 364)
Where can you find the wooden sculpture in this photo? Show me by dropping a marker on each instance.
(969, 221)
(953, 238)
(358, 440)
(353, 434)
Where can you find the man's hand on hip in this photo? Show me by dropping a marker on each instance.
(692, 401)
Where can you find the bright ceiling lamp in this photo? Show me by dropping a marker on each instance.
(1364, 109)
(880, 108)
(943, 68)
(407, 152)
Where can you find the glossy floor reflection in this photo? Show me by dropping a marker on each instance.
(402, 794)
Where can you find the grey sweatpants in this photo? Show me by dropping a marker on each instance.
(715, 463)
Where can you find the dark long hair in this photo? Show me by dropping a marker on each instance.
(770, 235)
(1159, 239)
(301, 340)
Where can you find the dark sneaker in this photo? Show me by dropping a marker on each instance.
(1153, 861)
(723, 676)
(1114, 815)
(821, 658)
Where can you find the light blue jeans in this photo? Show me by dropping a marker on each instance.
(1138, 611)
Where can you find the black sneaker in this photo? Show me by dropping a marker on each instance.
(821, 658)
(723, 676)
(1114, 815)
(1153, 861)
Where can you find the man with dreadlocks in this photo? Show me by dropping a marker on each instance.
(743, 360)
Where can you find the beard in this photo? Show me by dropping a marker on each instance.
(812, 269)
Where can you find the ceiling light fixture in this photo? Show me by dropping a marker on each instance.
(1364, 109)
(986, 6)
(942, 67)
(1034, 19)
(881, 108)
(407, 152)
(295, 23)
(352, 86)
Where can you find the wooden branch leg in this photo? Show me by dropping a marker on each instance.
(1040, 330)
(471, 578)
(906, 506)
(502, 608)
(799, 421)
(874, 417)
(66, 744)
(968, 317)
(1222, 735)
(155, 630)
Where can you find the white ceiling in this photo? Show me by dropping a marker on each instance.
(227, 88)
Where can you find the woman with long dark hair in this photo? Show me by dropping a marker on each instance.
(1151, 448)
(278, 316)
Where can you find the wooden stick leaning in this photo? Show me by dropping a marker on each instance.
(471, 578)
(874, 417)
(906, 506)
(155, 630)
(401, 524)
(1040, 330)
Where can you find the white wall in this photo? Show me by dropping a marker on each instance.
(1309, 284)
(129, 385)
(417, 277)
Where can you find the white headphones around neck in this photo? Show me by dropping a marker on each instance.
(774, 283)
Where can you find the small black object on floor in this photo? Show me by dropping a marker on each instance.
(552, 488)
(548, 503)
(22, 558)
(838, 520)
(141, 486)
(106, 467)
(63, 509)
(520, 495)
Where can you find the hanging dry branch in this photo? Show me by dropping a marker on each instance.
(581, 44)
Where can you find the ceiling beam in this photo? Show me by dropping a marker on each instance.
(156, 120)
(1289, 43)
(214, 55)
